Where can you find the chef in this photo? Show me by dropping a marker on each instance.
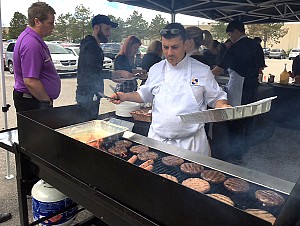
(178, 85)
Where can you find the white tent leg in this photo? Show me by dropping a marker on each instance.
(4, 105)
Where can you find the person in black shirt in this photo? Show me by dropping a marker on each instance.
(90, 73)
(244, 60)
(296, 69)
(153, 55)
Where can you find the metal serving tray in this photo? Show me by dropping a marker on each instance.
(90, 131)
(231, 113)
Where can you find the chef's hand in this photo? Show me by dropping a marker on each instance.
(118, 97)
(222, 104)
(115, 75)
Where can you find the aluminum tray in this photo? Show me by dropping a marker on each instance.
(94, 130)
(226, 114)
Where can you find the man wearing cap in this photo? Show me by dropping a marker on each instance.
(178, 85)
(90, 77)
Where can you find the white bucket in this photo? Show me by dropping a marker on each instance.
(123, 109)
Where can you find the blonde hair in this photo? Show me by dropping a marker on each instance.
(196, 34)
(155, 47)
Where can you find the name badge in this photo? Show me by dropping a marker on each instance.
(195, 82)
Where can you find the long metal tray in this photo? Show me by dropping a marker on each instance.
(231, 113)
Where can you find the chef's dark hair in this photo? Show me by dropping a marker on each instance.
(235, 25)
(167, 31)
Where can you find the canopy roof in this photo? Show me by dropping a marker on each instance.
(248, 11)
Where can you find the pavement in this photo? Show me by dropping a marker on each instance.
(269, 155)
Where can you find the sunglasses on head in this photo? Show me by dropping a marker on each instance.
(174, 31)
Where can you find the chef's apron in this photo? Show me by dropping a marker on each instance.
(235, 88)
(171, 99)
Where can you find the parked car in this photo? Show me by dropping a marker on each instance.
(65, 62)
(107, 63)
(110, 50)
(277, 54)
(294, 53)
(139, 56)
(266, 52)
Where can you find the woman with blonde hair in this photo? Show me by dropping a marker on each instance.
(125, 61)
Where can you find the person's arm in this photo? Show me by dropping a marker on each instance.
(121, 97)
(37, 89)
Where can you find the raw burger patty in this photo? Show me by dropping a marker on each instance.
(262, 214)
(222, 198)
(197, 184)
(172, 160)
(170, 177)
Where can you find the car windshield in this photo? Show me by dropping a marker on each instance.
(296, 50)
(57, 49)
(275, 50)
(77, 50)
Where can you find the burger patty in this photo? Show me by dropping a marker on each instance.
(144, 156)
(269, 198)
(236, 185)
(262, 214)
(222, 198)
(197, 184)
(213, 176)
(172, 160)
(118, 150)
(123, 143)
(170, 177)
(139, 149)
(191, 168)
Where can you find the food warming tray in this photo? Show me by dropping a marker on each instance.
(231, 113)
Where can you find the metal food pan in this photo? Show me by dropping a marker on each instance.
(231, 113)
(93, 130)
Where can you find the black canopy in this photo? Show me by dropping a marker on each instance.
(248, 11)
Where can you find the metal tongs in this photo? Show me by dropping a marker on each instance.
(107, 97)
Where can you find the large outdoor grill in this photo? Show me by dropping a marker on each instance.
(120, 193)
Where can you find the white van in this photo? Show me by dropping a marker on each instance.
(294, 53)
(65, 62)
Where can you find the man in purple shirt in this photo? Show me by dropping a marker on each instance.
(37, 83)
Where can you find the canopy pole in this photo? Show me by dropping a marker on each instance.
(5, 106)
(173, 17)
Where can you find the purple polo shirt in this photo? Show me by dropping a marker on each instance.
(32, 59)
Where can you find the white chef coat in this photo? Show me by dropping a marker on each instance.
(185, 88)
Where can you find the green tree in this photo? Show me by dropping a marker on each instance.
(118, 33)
(17, 24)
(155, 26)
(267, 32)
(4, 34)
(63, 28)
(218, 31)
(136, 25)
(83, 19)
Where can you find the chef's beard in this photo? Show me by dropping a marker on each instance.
(102, 37)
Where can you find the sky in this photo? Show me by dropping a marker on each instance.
(9, 7)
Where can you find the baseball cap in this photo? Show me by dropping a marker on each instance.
(102, 19)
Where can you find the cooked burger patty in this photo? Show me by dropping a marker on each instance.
(123, 143)
(197, 184)
(191, 168)
(144, 156)
(236, 185)
(222, 198)
(170, 177)
(213, 176)
(269, 198)
(262, 214)
(118, 150)
(172, 160)
(139, 149)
